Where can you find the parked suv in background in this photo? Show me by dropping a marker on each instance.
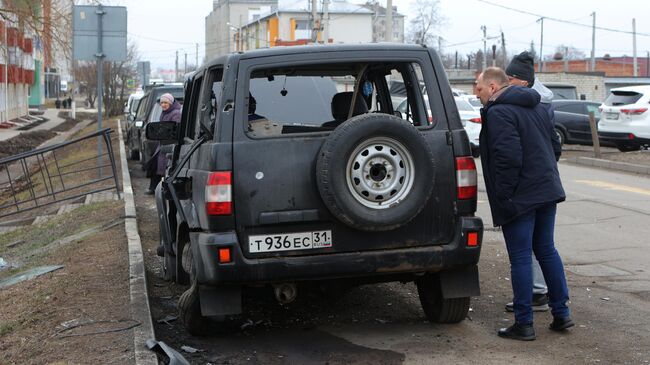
(282, 176)
(148, 111)
(625, 118)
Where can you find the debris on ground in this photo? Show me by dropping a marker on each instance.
(168, 318)
(28, 275)
(190, 350)
(161, 348)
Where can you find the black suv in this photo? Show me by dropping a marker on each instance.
(291, 168)
(149, 110)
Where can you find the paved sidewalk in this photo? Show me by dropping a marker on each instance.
(51, 114)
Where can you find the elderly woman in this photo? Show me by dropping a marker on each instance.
(171, 112)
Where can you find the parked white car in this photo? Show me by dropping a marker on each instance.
(471, 120)
(474, 102)
(625, 118)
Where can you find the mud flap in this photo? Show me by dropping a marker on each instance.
(220, 301)
(460, 282)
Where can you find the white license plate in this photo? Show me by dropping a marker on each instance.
(611, 116)
(290, 241)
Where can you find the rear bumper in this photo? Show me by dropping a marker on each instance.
(621, 138)
(367, 264)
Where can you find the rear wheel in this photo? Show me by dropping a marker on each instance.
(189, 311)
(437, 308)
(628, 147)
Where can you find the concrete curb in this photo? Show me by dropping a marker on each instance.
(613, 165)
(140, 310)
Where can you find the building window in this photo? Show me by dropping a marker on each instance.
(303, 29)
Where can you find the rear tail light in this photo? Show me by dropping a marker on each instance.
(225, 255)
(472, 239)
(637, 111)
(631, 136)
(466, 177)
(475, 120)
(218, 193)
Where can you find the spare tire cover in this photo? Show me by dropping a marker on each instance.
(375, 172)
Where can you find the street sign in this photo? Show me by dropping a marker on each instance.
(130, 83)
(86, 32)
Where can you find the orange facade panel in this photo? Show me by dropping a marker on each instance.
(273, 31)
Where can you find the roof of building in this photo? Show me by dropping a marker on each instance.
(301, 6)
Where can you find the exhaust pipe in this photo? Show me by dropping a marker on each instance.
(285, 293)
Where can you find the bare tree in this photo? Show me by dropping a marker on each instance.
(427, 21)
(570, 52)
(49, 20)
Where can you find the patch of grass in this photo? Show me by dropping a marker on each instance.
(6, 328)
(40, 235)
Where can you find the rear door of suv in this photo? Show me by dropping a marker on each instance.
(624, 109)
(275, 152)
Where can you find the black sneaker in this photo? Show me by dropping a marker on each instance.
(561, 324)
(521, 332)
(539, 304)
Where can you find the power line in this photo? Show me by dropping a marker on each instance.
(562, 20)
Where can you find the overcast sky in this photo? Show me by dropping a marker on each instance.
(160, 28)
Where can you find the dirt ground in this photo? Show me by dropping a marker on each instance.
(608, 153)
(91, 291)
(23, 142)
(78, 314)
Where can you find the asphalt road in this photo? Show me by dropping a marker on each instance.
(603, 228)
(602, 235)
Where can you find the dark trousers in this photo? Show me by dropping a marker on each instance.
(153, 181)
(533, 232)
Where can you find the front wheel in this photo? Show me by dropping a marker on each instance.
(560, 136)
(437, 308)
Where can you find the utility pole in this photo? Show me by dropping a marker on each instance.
(541, 46)
(326, 20)
(389, 23)
(196, 66)
(314, 28)
(176, 69)
(469, 62)
(593, 43)
(100, 82)
(456, 62)
(494, 55)
(566, 59)
(503, 49)
(484, 29)
(634, 46)
(440, 45)
(185, 68)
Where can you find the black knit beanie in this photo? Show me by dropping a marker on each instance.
(522, 67)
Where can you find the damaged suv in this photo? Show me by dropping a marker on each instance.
(292, 167)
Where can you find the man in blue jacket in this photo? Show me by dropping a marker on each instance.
(523, 187)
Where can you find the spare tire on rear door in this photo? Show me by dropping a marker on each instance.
(375, 172)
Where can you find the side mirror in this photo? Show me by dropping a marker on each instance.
(161, 131)
(398, 114)
(139, 124)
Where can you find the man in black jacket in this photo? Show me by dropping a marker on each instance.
(523, 187)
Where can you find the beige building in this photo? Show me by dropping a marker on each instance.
(223, 23)
(267, 24)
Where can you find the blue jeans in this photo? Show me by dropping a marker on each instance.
(533, 232)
